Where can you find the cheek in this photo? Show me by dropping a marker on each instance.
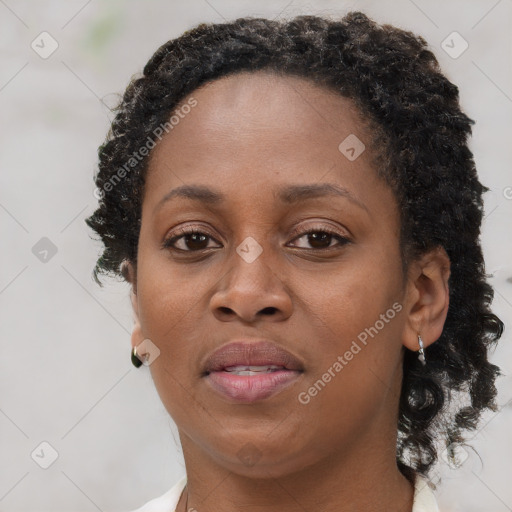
(356, 373)
(355, 314)
(169, 305)
(353, 297)
(170, 314)
(171, 308)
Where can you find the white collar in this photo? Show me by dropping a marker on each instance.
(424, 498)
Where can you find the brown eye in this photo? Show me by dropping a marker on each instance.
(322, 239)
(191, 240)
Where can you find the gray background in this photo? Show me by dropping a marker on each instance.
(65, 373)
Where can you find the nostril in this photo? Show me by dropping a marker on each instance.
(268, 311)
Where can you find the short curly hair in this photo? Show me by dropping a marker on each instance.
(419, 139)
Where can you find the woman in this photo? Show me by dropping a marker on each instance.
(298, 213)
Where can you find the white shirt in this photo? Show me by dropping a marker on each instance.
(424, 499)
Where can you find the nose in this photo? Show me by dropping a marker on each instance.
(250, 292)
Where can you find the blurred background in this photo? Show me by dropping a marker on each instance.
(81, 428)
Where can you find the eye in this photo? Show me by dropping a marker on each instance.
(321, 238)
(192, 240)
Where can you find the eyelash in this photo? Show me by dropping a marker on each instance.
(183, 232)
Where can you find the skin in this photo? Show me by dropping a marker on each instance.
(249, 135)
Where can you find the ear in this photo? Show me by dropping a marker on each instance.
(427, 298)
(129, 273)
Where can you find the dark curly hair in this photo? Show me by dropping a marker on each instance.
(419, 143)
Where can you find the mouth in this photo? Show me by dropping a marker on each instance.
(246, 372)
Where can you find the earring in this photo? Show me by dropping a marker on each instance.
(421, 355)
(135, 360)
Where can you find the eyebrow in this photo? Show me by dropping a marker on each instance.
(290, 194)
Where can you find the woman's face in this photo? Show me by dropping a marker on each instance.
(335, 302)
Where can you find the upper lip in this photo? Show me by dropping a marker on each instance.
(251, 353)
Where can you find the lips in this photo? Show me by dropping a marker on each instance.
(246, 354)
(247, 371)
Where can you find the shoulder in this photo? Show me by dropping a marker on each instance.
(424, 498)
(166, 502)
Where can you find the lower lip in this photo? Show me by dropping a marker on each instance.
(249, 388)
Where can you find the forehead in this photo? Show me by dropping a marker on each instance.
(261, 123)
(265, 103)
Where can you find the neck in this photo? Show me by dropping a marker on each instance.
(341, 482)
